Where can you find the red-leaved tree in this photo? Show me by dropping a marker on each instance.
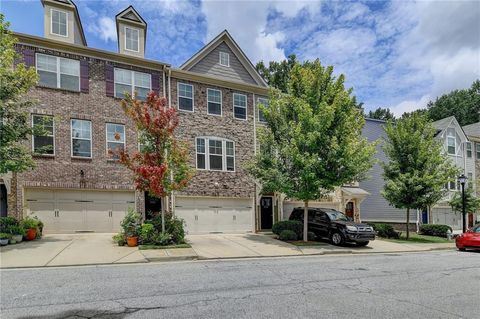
(161, 164)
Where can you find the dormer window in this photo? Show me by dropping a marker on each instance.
(59, 23)
(224, 59)
(451, 141)
(131, 39)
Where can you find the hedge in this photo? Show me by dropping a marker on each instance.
(287, 234)
(435, 230)
(293, 225)
(385, 230)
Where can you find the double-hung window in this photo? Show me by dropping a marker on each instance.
(131, 39)
(81, 138)
(469, 149)
(451, 141)
(185, 97)
(56, 72)
(240, 106)
(115, 140)
(132, 82)
(261, 116)
(477, 150)
(215, 154)
(44, 134)
(59, 23)
(214, 101)
(224, 58)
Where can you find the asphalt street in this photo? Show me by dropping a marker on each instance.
(442, 284)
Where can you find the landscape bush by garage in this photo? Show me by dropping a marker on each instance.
(293, 225)
(287, 235)
(385, 231)
(435, 230)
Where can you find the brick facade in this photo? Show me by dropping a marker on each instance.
(61, 170)
(199, 123)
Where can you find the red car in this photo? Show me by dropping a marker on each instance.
(470, 239)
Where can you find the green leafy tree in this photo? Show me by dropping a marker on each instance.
(381, 114)
(463, 104)
(277, 74)
(15, 81)
(472, 203)
(417, 169)
(312, 142)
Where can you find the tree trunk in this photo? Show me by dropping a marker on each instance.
(305, 222)
(408, 223)
(164, 203)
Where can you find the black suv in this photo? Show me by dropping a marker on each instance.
(334, 225)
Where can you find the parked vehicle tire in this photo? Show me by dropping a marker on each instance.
(461, 249)
(362, 243)
(337, 238)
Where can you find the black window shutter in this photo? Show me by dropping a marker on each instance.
(29, 57)
(84, 84)
(156, 83)
(109, 85)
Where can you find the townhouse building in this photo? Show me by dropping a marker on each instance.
(78, 186)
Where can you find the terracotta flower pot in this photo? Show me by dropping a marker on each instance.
(132, 241)
(31, 234)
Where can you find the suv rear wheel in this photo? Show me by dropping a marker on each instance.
(337, 238)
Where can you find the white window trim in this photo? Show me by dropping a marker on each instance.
(454, 143)
(33, 141)
(193, 97)
(85, 139)
(138, 38)
(57, 72)
(467, 144)
(132, 84)
(107, 141)
(51, 23)
(220, 58)
(246, 107)
(207, 154)
(221, 102)
(477, 150)
(259, 101)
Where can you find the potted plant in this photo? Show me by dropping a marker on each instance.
(17, 233)
(4, 237)
(30, 225)
(131, 226)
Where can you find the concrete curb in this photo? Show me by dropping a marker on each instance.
(170, 258)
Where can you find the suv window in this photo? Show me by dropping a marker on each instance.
(311, 215)
(322, 217)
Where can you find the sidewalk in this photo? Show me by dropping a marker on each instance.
(97, 249)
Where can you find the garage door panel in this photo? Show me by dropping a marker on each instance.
(71, 216)
(45, 211)
(98, 217)
(119, 210)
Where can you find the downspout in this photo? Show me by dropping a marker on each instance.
(256, 207)
(172, 197)
(163, 82)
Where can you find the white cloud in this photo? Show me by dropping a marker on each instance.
(410, 105)
(105, 29)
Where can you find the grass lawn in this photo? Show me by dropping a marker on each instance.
(415, 238)
(144, 247)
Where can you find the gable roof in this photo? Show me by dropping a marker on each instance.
(73, 6)
(225, 36)
(131, 15)
(472, 130)
(443, 124)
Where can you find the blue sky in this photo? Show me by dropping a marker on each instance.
(397, 54)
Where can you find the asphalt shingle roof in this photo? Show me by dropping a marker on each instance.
(472, 129)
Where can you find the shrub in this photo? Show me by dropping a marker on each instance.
(311, 236)
(435, 230)
(293, 225)
(5, 236)
(131, 223)
(385, 231)
(173, 226)
(119, 239)
(6, 222)
(29, 222)
(16, 230)
(147, 233)
(287, 234)
(163, 239)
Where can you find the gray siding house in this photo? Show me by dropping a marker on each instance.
(375, 208)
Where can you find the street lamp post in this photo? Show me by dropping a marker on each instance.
(462, 179)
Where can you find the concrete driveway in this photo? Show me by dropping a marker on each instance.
(67, 250)
(240, 245)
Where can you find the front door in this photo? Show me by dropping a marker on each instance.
(3, 200)
(266, 212)
(349, 210)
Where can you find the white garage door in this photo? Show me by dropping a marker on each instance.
(211, 215)
(288, 206)
(68, 211)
